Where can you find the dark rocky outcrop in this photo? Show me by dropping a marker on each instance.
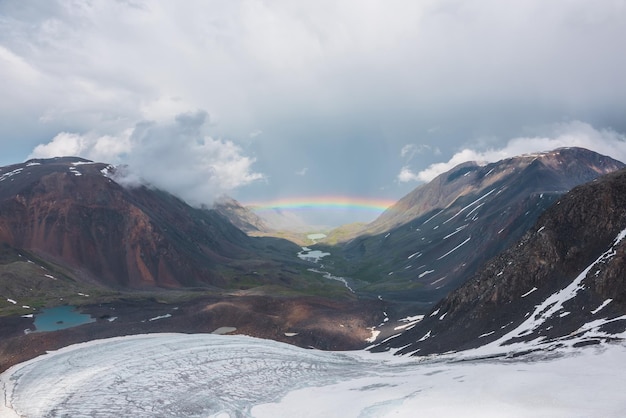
(566, 275)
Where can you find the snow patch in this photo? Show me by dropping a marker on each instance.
(425, 273)
(372, 338)
(599, 308)
(425, 337)
(455, 248)
(10, 174)
(156, 318)
(459, 229)
(529, 292)
(470, 205)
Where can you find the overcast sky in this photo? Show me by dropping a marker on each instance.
(276, 99)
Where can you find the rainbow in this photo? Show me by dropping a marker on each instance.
(324, 203)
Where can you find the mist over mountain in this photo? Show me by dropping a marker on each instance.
(438, 235)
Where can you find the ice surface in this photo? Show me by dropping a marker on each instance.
(204, 375)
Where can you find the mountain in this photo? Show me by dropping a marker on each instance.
(240, 216)
(279, 219)
(437, 236)
(73, 212)
(565, 278)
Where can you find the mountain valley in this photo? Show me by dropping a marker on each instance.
(486, 260)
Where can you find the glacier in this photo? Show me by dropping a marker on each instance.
(206, 375)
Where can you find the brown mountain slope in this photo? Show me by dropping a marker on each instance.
(73, 212)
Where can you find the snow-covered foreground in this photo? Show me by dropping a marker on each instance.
(211, 375)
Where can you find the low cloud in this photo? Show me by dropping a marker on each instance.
(177, 156)
(91, 146)
(572, 134)
(302, 172)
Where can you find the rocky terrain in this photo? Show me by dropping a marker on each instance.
(437, 236)
(240, 216)
(309, 322)
(72, 232)
(565, 278)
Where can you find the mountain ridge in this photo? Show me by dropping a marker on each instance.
(564, 278)
(72, 211)
(444, 230)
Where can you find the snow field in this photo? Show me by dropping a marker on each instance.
(210, 375)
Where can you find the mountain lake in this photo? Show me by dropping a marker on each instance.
(60, 317)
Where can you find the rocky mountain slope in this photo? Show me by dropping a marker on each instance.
(73, 212)
(437, 236)
(240, 216)
(565, 278)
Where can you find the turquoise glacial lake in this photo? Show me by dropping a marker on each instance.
(60, 317)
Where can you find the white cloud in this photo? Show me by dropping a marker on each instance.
(572, 134)
(407, 175)
(91, 146)
(177, 156)
(302, 172)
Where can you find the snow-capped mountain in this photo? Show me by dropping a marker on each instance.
(566, 278)
(437, 236)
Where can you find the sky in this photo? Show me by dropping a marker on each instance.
(278, 100)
